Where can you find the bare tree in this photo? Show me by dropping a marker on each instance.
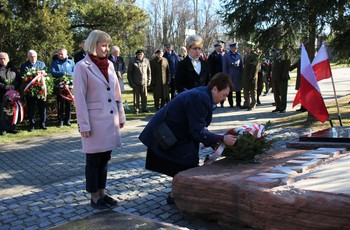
(171, 18)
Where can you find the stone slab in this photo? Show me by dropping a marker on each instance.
(253, 196)
(333, 134)
(285, 169)
(315, 145)
(333, 177)
(111, 220)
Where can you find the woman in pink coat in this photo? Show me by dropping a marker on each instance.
(100, 114)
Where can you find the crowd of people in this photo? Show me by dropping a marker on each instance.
(166, 74)
(31, 74)
(186, 89)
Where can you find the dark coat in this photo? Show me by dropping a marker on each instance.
(79, 56)
(187, 78)
(8, 76)
(280, 70)
(232, 64)
(139, 72)
(160, 79)
(119, 67)
(173, 59)
(188, 115)
(215, 63)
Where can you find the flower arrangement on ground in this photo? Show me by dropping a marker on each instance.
(251, 141)
(39, 83)
(65, 87)
(12, 106)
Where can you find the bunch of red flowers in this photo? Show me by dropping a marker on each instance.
(38, 83)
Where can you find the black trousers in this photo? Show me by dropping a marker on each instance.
(31, 102)
(238, 98)
(63, 109)
(96, 171)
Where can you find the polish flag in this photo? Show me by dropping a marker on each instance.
(321, 65)
(309, 94)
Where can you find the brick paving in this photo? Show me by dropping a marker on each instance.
(43, 186)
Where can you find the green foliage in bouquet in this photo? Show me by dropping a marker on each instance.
(37, 87)
(248, 144)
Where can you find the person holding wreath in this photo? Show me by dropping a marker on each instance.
(187, 115)
(62, 69)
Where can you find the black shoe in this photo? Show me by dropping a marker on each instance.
(31, 129)
(249, 109)
(301, 110)
(68, 123)
(109, 200)
(170, 200)
(43, 127)
(222, 105)
(258, 103)
(275, 110)
(136, 112)
(14, 131)
(244, 107)
(100, 204)
(145, 111)
(282, 111)
(3, 132)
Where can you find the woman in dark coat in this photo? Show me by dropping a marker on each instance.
(188, 115)
(192, 71)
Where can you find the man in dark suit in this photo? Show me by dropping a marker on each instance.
(119, 65)
(193, 71)
(215, 60)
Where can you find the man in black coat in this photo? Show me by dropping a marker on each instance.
(215, 60)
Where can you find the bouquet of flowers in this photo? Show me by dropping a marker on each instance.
(13, 105)
(251, 141)
(65, 87)
(39, 84)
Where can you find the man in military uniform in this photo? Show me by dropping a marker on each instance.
(280, 65)
(250, 77)
(232, 64)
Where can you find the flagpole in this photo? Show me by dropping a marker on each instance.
(335, 96)
(336, 102)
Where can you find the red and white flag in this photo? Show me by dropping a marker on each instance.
(321, 64)
(309, 94)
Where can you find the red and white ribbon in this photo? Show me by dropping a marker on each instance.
(70, 95)
(41, 78)
(17, 108)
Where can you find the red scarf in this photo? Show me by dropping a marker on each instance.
(102, 64)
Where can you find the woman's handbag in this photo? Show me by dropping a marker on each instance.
(164, 136)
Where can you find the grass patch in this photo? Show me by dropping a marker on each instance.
(300, 120)
(52, 122)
